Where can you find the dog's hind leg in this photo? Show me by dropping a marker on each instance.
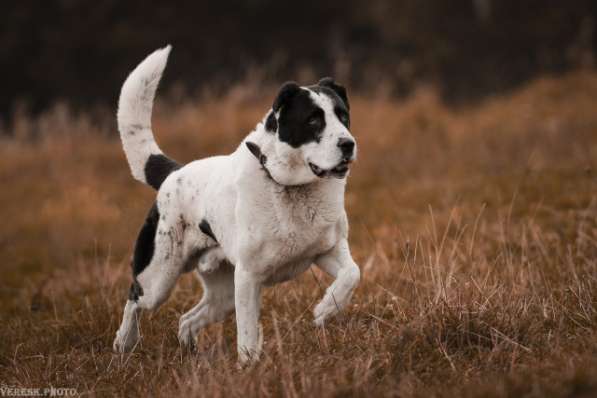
(338, 263)
(217, 301)
(207, 263)
(157, 264)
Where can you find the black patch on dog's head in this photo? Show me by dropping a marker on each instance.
(336, 88)
(301, 120)
(337, 94)
(287, 91)
(157, 168)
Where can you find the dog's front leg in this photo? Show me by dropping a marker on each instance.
(247, 291)
(338, 263)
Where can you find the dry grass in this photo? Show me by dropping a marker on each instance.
(475, 229)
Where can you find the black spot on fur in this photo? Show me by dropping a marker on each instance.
(136, 126)
(157, 168)
(145, 245)
(206, 229)
(135, 291)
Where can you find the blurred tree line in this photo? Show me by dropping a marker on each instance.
(81, 51)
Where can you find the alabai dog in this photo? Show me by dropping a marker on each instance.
(259, 216)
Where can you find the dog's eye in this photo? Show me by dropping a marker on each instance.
(344, 119)
(314, 121)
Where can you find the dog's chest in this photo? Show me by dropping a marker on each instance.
(296, 237)
(300, 225)
(290, 250)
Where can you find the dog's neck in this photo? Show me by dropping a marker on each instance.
(282, 165)
(262, 159)
(320, 199)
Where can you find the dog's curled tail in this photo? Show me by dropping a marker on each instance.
(148, 163)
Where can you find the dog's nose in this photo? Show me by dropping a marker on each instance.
(346, 145)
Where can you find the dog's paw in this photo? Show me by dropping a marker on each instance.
(125, 342)
(186, 337)
(185, 317)
(322, 312)
(249, 356)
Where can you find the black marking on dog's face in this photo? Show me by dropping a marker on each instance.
(157, 168)
(336, 88)
(338, 96)
(206, 229)
(301, 120)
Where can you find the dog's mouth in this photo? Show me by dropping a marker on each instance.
(339, 171)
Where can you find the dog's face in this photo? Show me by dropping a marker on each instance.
(309, 134)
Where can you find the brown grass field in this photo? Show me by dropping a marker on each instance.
(475, 229)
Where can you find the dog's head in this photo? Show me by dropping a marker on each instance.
(307, 134)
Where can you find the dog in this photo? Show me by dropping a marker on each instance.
(257, 217)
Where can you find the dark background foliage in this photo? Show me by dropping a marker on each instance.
(81, 51)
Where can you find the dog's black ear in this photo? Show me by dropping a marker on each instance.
(287, 91)
(338, 89)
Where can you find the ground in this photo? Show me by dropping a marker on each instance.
(475, 229)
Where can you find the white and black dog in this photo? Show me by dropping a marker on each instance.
(259, 216)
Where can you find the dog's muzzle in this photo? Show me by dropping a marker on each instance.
(339, 171)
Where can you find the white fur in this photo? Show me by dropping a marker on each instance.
(134, 111)
(266, 232)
